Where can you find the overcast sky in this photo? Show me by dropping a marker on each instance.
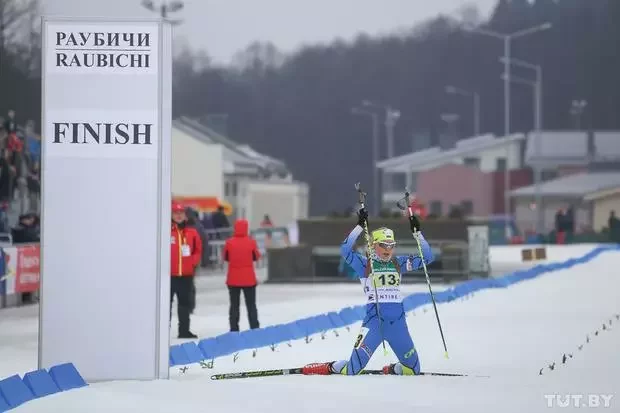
(223, 27)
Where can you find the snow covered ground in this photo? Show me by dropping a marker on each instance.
(508, 334)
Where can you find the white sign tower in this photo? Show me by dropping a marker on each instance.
(105, 224)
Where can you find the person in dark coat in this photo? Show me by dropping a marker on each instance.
(614, 227)
(194, 220)
(241, 252)
(220, 221)
(28, 229)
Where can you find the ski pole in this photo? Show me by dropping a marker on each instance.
(362, 201)
(416, 236)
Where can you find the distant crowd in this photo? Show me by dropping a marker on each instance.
(20, 174)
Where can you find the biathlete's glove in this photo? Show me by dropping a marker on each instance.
(414, 223)
(362, 217)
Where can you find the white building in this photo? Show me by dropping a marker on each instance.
(197, 165)
(254, 184)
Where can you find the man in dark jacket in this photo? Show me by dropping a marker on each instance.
(220, 221)
(27, 231)
(194, 221)
(241, 252)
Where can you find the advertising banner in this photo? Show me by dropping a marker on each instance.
(21, 269)
(105, 262)
(28, 268)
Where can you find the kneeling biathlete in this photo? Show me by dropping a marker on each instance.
(393, 325)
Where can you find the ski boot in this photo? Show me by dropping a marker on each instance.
(399, 370)
(322, 369)
(389, 369)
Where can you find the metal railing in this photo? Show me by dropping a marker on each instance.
(265, 238)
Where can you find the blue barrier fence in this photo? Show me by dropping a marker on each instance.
(15, 390)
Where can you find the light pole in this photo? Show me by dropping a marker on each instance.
(375, 154)
(450, 119)
(453, 90)
(391, 117)
(164, 8)
(577, 109)
(507, 39)
(538, 120)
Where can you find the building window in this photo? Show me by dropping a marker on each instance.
(501, 164)
(467, 207)
(472, 162)
(233, 190)
(435, 208)
(226, 188)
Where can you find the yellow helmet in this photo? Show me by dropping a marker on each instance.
(383, 234)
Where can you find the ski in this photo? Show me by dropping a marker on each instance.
(300, 370)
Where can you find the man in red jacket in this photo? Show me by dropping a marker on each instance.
(241, 252)
(185, 254)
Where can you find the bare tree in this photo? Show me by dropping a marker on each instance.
(15, 16)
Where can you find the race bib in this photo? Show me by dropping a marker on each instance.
(385, 288)
(185, 251)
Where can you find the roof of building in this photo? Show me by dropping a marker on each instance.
(435, 156)
(239, 158)
(571, 147)
(577, 186)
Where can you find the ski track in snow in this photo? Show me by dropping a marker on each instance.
(508, 334)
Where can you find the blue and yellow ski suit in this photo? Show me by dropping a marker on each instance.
(395, 331)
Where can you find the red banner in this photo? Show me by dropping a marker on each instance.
(28, 268)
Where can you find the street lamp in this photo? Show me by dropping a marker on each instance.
(391, 117)
(577, 109)
(538, 87)
(450, 119)
(164, 8)
(452, 90)
(507, 39)
(375, 153)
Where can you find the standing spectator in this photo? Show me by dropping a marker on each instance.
(266, 222)
(10, 125)
(33, 144)
(614, 227)
(34, 186)
(27, 230)
(186, 249)
(220, 221)
(241, 252)
(194, 220)
(207, 224)
(7, 177)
